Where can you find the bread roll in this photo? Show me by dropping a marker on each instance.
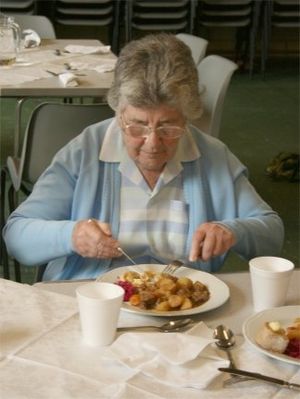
(272, 337)
(293, 332)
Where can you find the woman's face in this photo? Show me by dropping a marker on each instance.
(150, 153)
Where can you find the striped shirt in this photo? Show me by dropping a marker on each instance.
(153, 223)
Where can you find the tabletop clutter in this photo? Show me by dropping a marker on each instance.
(41, 336)
(65, 64)
(42, 333)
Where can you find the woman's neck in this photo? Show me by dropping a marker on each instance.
(151, 178)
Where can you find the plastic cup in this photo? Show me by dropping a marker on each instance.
(99, 309)
(270, 278)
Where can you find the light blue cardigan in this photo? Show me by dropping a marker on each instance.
(77, 185)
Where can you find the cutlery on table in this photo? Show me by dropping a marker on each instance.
(172, 267)
(170, 326)
(68, 67)
(225, 340)
(59, 52)
(57, 74)
(261, 377)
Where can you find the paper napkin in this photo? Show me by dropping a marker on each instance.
(177, 359)
(68, 79)
(30, 38)
(72, 48)
(108, 66)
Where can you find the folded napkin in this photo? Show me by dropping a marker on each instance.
(182, 360)
(30, 38)
(107, 66)
(68, 79)
(73, 48)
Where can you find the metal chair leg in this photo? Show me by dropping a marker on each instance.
(3, 253)
(17, 268)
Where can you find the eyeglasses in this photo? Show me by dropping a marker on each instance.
(141, 131)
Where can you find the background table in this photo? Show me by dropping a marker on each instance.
(93, 84)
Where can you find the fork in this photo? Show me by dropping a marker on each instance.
(57, 74)
(172, 267)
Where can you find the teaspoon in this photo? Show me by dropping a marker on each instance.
(225, 340)
(170, 326)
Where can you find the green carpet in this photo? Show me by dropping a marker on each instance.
(260, 119)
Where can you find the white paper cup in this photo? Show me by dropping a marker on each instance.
(270, 277)
(99, 308)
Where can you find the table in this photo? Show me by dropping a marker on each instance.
(235, 310)
(94, 84)
(42, 355)
(17, 80)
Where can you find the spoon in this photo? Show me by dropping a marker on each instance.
(225, 340)
(170, 326)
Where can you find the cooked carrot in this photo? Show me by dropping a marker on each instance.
(135, 300)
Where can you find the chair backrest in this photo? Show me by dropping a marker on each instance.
(144, 15)
(226, 13)
(12, 7)
(98, 13)
(51, 126)
(197, 45)
(214, 73)
(75, 12)
(286, 14)
(39, 23)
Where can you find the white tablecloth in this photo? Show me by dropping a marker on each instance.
(42, 354)
(34, 63)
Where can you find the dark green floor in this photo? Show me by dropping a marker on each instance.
(260, 119)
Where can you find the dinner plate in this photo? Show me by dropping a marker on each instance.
(219, 291)
(285, 315)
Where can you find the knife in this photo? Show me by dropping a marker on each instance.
(261, 377)
(126, 255)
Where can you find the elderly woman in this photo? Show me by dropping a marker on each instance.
(146, 181)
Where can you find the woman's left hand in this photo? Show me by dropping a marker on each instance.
(209, 240)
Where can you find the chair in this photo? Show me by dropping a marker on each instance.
(268, 15)
(144, 15)
(214, 73)
(39, 23)
(98, 13)
(12, 7)
(50, 127)
(197, 45)
(229, 14)
(45, 29)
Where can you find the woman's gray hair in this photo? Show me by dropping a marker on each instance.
(157, 69)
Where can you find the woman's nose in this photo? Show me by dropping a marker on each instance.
(153, 138)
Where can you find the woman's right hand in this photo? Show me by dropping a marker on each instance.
(93, 239)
